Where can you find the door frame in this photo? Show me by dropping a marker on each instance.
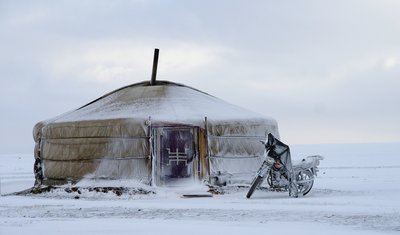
(156, 132)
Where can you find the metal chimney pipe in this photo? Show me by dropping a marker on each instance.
(155, 63)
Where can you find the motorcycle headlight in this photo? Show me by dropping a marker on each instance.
(270, 161)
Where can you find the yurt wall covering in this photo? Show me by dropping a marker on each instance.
(126, 133)
(113, 148)
(235, 147)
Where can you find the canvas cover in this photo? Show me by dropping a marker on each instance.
(281, 152)
(111, 136)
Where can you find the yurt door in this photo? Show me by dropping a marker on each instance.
(175, 155)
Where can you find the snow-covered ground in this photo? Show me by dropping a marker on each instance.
(356, 192)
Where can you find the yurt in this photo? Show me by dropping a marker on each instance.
(160, 133)
(156, 132)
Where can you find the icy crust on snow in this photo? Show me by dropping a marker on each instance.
(103, 189)
(124, 189)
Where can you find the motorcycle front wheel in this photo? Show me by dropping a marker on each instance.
(256, 182)
(305, 181)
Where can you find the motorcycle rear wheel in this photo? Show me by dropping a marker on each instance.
(256, 182)
(305, 187)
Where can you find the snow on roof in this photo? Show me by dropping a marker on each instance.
(165, 101)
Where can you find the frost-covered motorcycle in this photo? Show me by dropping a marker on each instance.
(281, 175)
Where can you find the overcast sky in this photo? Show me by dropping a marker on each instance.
(327, 71)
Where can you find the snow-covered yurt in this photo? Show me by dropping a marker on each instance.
(160, 134)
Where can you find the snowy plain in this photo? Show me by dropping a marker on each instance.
(357, 191)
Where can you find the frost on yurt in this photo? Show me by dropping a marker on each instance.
(160, 134)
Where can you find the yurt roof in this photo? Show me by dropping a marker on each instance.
(163, 101)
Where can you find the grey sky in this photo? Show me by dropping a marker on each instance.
(327, 71)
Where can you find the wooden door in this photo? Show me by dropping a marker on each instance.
(176, 155)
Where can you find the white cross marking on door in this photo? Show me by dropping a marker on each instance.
(177, 156)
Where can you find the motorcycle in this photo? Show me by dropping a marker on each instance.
(281, 174)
